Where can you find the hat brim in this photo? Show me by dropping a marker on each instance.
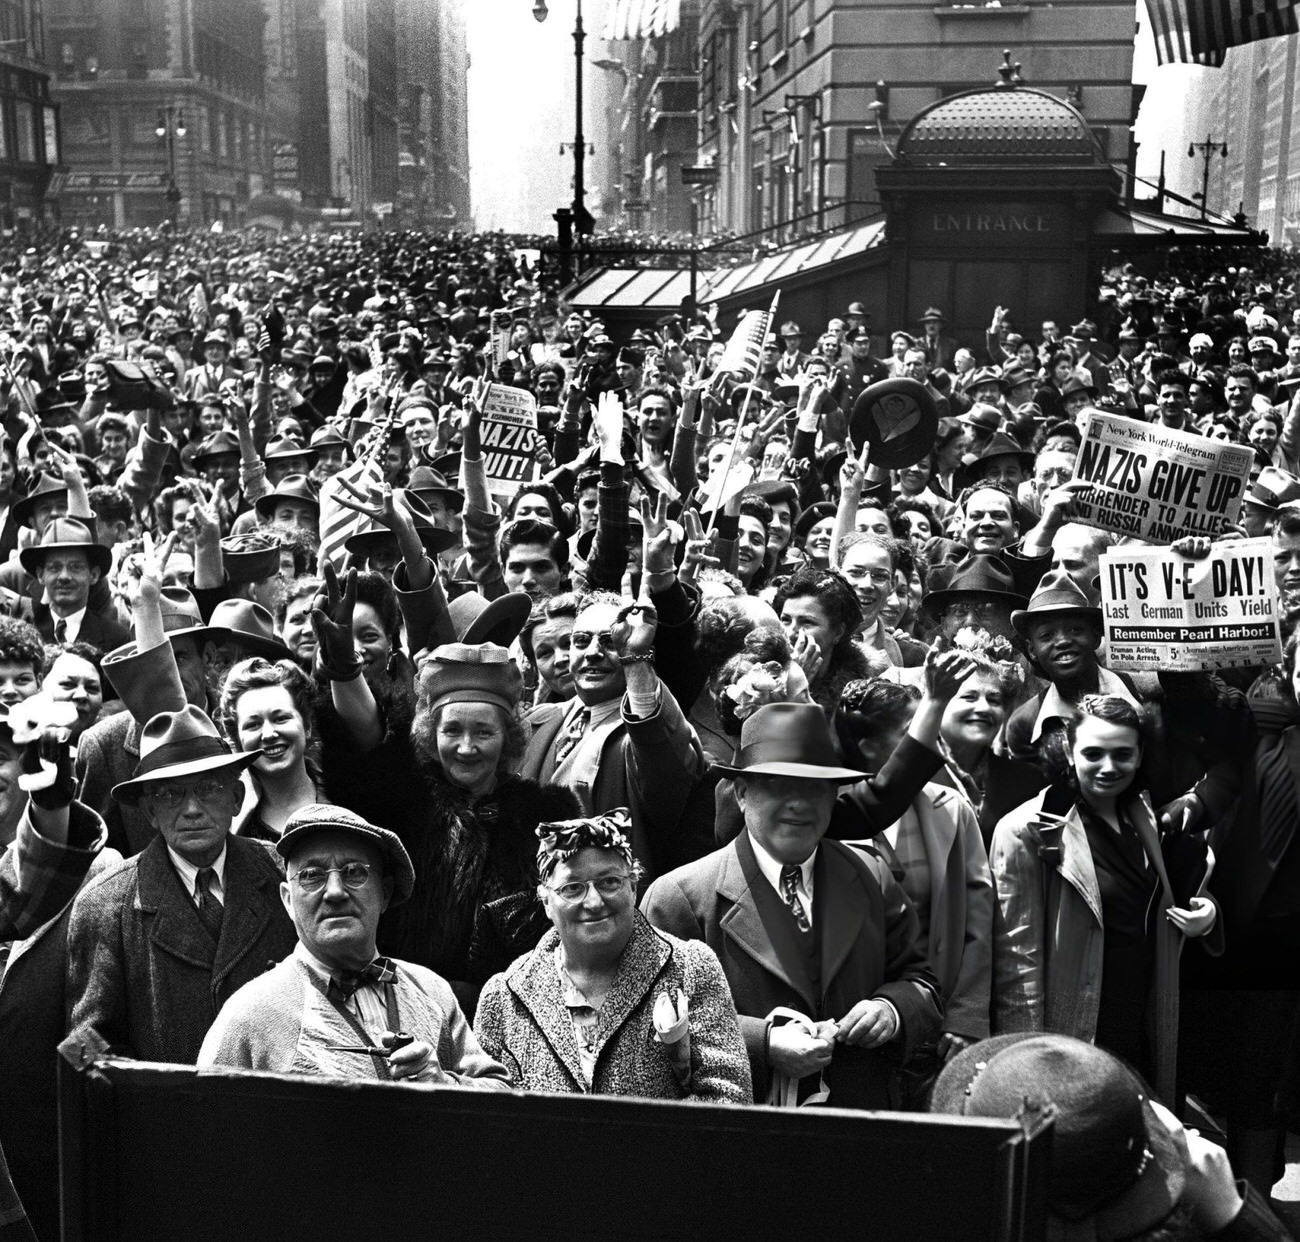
(938, 600)
(1022, 617)
(501, 622)
(448, 495)
(130, 792)
(100, 557)
(434, 539)
(271, 649)
(265, 505)
(808, 771)
(24, 508)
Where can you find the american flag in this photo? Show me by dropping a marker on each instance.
(1199, 32)
(745, 349)
(641, 19)
(337, 523)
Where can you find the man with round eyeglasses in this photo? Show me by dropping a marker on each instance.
(158, 946)
(334, 1006)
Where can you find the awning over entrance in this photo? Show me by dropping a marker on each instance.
(1126, 225)
(645, 290)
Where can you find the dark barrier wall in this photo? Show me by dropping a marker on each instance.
(153, 1152)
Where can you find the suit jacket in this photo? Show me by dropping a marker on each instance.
(102, 633)
(141, 968)
(200, 382)
(870, 947)
(649, 766)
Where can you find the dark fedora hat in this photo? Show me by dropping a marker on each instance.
(425, 482)
(219, 444)
(367, 542)
(932, 314)
(286, 448)
(898, 418)
(999, 444)
(47, 487)
(789, 739)
(68, 535)
(1076, 384)
(1115, 1165)
(318, 817)
(292, 487)
(981, 574)
(175, 745)
(1013, 376)
(1056, 593)
(500, 621)
(982, 416)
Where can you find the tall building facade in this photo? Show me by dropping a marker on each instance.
(1238, 142)
(164, 108)
(801, 100)
(29, 118)
(433, 114)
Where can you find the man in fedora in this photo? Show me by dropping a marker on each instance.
(806, 924)
(940, 348)
(333, 997)
(215, 371)
(176, 659)
(158, 946)
(67, 563)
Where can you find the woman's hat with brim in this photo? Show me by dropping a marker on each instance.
(292, 487)
(318, 817)
(471, 673)
(177, 745)
(67, 535)
(479, 620)
(1056, 593)
(789, 739)
(811, 516)
(435, 540)
(981, 575)
(250, 557)
(1115, 1165)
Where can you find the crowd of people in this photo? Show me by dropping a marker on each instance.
(728, 758)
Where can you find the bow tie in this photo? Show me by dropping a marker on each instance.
(380, 971)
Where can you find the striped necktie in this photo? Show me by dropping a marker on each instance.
(210, 909)
(790, 892)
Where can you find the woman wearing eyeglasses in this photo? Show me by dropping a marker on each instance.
(606, 1004)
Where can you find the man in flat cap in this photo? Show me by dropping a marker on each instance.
(334, 1006)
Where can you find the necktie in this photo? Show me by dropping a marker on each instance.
(790, 891)
(60, 631)
(1279, 807)
(380, 971)
(210, 910)
(572, 735)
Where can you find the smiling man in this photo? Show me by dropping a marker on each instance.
(1062, 632)
(67, 562)
(334, 1006)
(158, 946)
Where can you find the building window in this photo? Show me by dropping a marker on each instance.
(25, 131)
(51, 135)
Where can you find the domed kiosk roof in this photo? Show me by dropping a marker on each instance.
(1000, 124)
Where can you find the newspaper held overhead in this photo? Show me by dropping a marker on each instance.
(508, 431)
(1156, 483)
(1163, 611)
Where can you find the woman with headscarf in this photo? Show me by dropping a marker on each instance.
(606, 1004)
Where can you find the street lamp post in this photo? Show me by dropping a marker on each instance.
(1207, 150)
(575, 217)
(170, 127)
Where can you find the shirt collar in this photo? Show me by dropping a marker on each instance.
(1054, 705)
(189, 872)
(73, 621)
(771, 868)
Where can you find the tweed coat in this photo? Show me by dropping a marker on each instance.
(141, 968)
(522, 1022)
(870, 947)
